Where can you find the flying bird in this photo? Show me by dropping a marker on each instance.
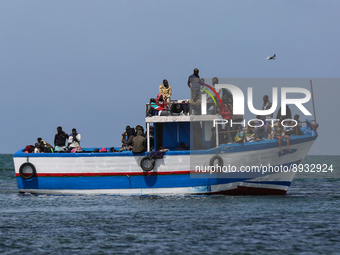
(272, 57)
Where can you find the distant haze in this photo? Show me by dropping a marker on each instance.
(93, 65)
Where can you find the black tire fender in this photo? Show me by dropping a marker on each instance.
(25, 176)
(212, 160)
(143, 163)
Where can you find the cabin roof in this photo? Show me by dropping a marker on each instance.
(185, 118)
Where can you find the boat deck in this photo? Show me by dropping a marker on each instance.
(184, 118)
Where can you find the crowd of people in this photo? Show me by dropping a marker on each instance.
(60, 138)
(161, 105)
(134, 139)
(263, 128)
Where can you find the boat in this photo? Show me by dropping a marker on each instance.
(250, 168)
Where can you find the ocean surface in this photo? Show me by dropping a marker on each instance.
(305, 221)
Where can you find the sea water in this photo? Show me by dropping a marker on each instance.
(305, 221)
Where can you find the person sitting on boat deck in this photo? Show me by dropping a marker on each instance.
(74, 139)
(44, 146)
(127, 138)
(240, 138)
(310, 128)
(152, 141)
(162, 106)
(176, 109)
(194, 82)
(296, 118)
(138, 143)
(153, 108)
(165, 91)
(37, 148)
(29, 149)
(60, 140)
(195, 104)
(185, 107)
(139, 127)
(182, 146)
(249, 135)
(261, 129)
(269, 129)
(160, 102)
(290, 129)
(284, 117)
(279, 133)
(266, 106)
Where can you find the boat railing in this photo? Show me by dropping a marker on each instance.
(186, 109)
(257, 128)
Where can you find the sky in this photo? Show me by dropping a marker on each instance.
(93, 65)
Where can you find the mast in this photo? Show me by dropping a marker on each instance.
(311, 87)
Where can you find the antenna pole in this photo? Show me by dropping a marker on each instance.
(311, 87)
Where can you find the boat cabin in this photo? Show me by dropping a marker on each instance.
(172, 129)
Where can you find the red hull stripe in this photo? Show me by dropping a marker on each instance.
(106, 174)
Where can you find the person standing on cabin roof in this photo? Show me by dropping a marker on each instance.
(165, 91)
(266, 106)
(74, 139)
(194, 82)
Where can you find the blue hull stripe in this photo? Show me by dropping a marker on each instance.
(125, 182)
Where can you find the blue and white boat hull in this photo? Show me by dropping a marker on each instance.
(174, 174)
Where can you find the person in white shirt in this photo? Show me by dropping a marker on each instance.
(74, 139)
